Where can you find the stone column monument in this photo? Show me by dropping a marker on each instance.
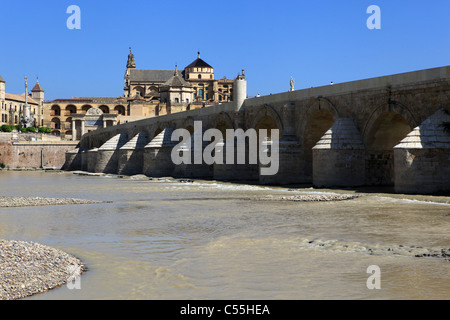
(26, 119)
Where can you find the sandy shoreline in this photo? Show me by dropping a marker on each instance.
(28, 268)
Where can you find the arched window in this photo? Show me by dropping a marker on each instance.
(56, 123)
(68, 124)
(199, 76)
(55, 110)
(85, 108)
(104, 108)
(140, 91)
(70, 109)
(120, 110)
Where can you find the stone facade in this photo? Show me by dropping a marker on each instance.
(64, 116)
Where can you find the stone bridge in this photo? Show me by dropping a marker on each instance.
(386, 131)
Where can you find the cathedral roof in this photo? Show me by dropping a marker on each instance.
(199, 63)
(176, 81)
(149, 75)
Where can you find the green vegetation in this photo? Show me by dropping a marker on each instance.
(10, 128)
(45, 130)
(6, 128)
(2, 165)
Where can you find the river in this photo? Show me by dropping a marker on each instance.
(169, 239)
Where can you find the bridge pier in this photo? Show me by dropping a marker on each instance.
(91, 162)
(157, 155)
(131, 155)
(422, 158)
(193, 170)
(290, 162)
(232, 171)
(108, 154)
(73, 159)
(339, 156)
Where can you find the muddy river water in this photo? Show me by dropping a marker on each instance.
(171, 239)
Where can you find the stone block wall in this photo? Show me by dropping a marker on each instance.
(34, 154)
(424, 171)
(338, 168)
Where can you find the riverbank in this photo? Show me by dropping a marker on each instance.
(28, 268)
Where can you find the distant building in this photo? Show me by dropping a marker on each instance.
(12, 105)
(147, 93)
(146, 83)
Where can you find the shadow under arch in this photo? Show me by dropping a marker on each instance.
(387, 125)
(267, 112)
(319, 117)
(392, 107)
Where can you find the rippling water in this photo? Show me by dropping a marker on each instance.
(165, 239)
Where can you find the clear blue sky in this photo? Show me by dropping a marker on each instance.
(313, 41)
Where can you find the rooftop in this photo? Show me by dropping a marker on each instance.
(19, 98)
(150, 75)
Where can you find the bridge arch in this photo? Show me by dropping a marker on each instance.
(268, 118)
(188, 124)
(222, 121)
(386, 127)
(393, 107)
(320, 115)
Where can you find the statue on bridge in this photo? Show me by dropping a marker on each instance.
(292, 84)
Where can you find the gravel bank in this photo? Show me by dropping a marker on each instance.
(28, 268)
(6, 202)
(312, 197)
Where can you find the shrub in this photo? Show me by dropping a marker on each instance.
(31, 129)
(23, 130)
(2, 165)
(45, 130)
(6, 128)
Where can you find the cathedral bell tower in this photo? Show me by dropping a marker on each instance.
(131, 64)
